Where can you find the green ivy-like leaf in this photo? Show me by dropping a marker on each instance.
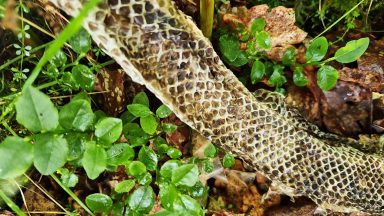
(136, 168)
(94, 160)
(327, 77)
(108, 130)
(277, 78)
(35, 111)
(257, 72)
(59, 59)
(148, 157)
(142, 199)
(228, 160)
(16, 157)
(99, 202)
(168, 167)
(120, 153)
(352, 50)
(76, 115)
(76, 144)
(299, 78)
(81, 41)
(257, 25)
(168, 127)
(125, 186)
(230, 47)
(149, 124)
(50, 153)
(141, 98)
(186, 175)
(264, 40)
(317, 50)
(83, 76)
(139, 110)
(289, 56)
(163, 111)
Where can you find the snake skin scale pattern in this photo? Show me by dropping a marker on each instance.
(161, 48)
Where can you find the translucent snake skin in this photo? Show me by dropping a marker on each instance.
(161, 48)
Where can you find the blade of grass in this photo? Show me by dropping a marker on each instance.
(73, 195)
(65, 35)
(11, 204)
(206, 16)
(338, 20)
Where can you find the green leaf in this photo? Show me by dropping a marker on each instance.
(136, 168)
(76, 115)
(142, 199)
(299, 78)
(99, 202)
(16, 157)
(317, 49)
(230, 47)
(168, 127)
(139, 110)
(59, 59)
(145, 179)
(120, 153)
(148, 157)
(35, 111)
(127, 117)
(277, 78)
(289, 56)
(108, 130)
(188, 204)
(67, 79)
(264, 40)
(76, 144)
(327, 77)
(208, 166)
(52, 71)
(240, 60)
(174, 153)
(163, 111)
(83, 76)
(125, 186)
(141, 98)
(68, 178)
(149, 124)
(81, 41)
(94, 160)
(257, 25)
(352, 50)
(186, 175)
(228, 160)
(257, 72)
(168, 194)
(168, 167)
(135, 134)
(50, 153)
(210, 151)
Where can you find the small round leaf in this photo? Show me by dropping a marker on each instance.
(99, 202)
(327, 77)
(108, 130)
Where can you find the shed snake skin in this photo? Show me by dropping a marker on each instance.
(161, 48)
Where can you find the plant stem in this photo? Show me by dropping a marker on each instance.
(206, 16)
(11, 204)
(5, 124)
(338, 20)
(73, 195)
